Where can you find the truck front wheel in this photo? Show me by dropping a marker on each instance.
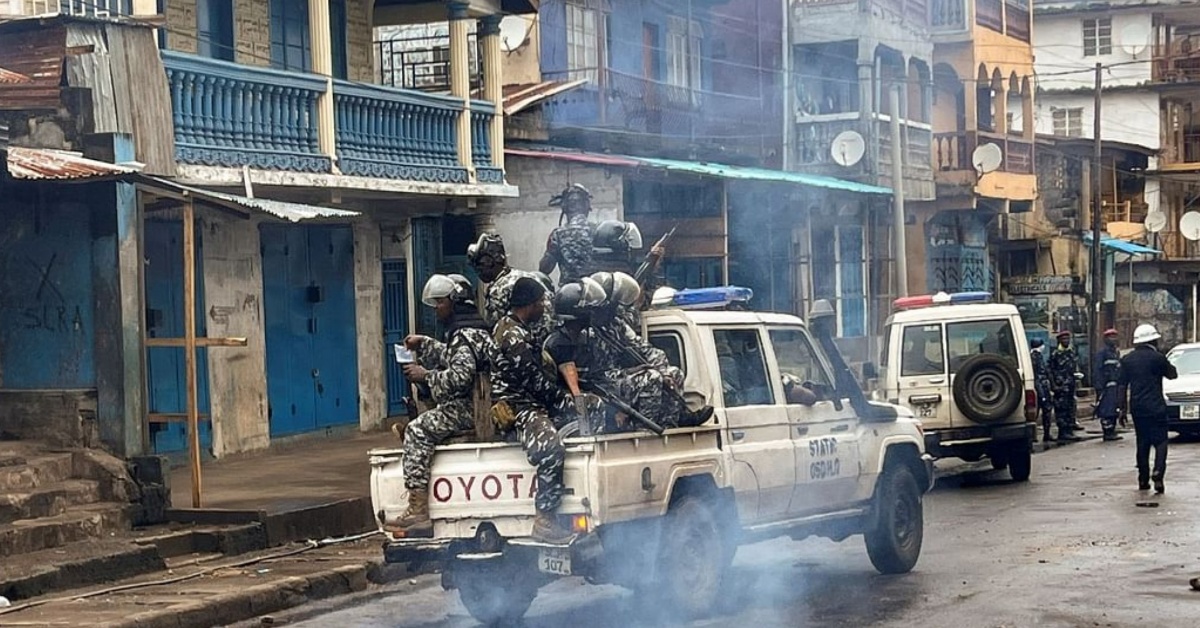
(896, 527)
(493, 595)
(692, 557)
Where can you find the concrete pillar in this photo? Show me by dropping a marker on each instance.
(460, 80)
(493, 84)
(1000, 107)
(1027, 130)
(322, 65)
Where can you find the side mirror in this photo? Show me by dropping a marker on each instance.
(869, 370)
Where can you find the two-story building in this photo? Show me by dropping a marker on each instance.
(321, 197)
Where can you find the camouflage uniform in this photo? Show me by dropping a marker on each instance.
(453, 368)
(1104, 378)
(570, 246)
(643, 376)
(520, 379)
(1041, 386)
(1063, 366)
(496, 306)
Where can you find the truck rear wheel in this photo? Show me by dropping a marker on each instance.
(1020, 461)
(896, 529)
(494, 596)
(692, 557)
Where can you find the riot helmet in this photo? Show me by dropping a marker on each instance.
(442, 287)
(462, 281)
(615, 235)
(577, 299)
(619, 288)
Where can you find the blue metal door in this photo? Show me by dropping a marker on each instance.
(308, 296)
(427, 256)
(395, 327)
(165, 370)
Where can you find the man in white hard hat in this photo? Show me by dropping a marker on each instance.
(1142, 372)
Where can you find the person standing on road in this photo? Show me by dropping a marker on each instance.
(1063, 366)
(1105, 373)
(1041, 386)
(1141, 378)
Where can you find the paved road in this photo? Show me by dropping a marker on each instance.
(1071, 548)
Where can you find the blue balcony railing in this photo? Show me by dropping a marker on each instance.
(232, 115)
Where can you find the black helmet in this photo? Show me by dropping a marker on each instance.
(574, 199)
(489, 245)
(619, 288)
(577, 299)
(615, 235)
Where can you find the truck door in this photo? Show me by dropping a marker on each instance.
(825, 439)
(922, 382)
(759, 431)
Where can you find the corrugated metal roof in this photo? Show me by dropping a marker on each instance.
(39, 164)
(702, 168)
(9, 77)
(292, 212)
(518, 98)
(1124, 246)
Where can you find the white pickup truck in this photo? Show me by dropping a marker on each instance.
(664, 514)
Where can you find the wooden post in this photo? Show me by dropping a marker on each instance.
(189, 344)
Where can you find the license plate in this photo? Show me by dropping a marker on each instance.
(1189, 412)
(554, 561)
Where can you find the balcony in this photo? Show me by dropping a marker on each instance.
(1008, 17)
(952, 152)
(814, 141)
(1177, 60)
(423, 62)
(948, 16)
(232, 115)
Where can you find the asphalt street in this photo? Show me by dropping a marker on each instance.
(1072, 547)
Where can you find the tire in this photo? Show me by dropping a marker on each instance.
(493, 596)
(896, 527)
(692, 559)
(988, 388)
(1020, 462)
(1000, 461)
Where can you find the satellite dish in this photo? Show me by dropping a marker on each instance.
(514, 32)
(1155, 222)
(1134, 38)
(848, 148)
(1189, 225)
(987, 158)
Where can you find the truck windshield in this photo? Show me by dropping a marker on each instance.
(964, 340)
(795, 356)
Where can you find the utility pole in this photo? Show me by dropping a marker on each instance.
(898, 197)
(1097, 208)
(789, 110)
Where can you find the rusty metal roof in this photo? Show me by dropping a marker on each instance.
(40, 164)
(10, 77)
(518, 98)
(244, 205)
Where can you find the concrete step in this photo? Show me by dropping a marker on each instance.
(90, 521)
(48, 501)
(75, 565)
(23, 474)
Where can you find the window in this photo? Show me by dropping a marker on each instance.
(291, 45)
(670, 343)
(337, 38)
(964, 340)
(683, 53)
(838, 273)
(1097, 37)
(583, 42)
(214, 29)
(921, 351)
(795, 356)
(743, 368)
(1068, 122)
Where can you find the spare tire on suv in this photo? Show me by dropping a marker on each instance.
(988, 388)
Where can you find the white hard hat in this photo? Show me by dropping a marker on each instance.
(1145, 333)
(441, 287)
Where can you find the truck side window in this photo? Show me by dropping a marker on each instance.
(743, 367)
(922, 352)
(796, 357)
(671, 343)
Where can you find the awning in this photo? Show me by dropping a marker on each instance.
(711, 169)
(292, 212)
(41, 164)
(1122, 246)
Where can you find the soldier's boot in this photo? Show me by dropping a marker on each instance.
(1159, 487)
(547, 529)
(692, 418)
(415, 522)
(1110, 434)
(1067, 435)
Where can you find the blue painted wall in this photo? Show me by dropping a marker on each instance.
(47, 298)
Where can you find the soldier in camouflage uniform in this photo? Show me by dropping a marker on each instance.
(450, 369)
(528, 398)
(489, 259)
(1063, 366)
(569, 246)
(1105, 373)
(1041, 386)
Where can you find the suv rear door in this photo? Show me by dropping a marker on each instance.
(920, 364)
(968, 338)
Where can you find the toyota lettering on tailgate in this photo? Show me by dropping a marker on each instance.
(489, 487)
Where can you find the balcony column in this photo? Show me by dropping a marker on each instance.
(1027, 130)
(460, 81)
(493, 84)
(322, 65)
(1000, 107)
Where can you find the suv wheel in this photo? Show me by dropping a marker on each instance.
(493, 595)
(692, 557)
(897, 525)
(1020, 461)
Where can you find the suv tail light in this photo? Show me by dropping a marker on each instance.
(1031, 405)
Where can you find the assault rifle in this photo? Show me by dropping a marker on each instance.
(646, 265)
(600, 390)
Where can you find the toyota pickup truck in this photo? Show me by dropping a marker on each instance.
(664, 514)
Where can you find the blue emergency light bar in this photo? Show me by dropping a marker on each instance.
(710, 298)
(941, 298)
